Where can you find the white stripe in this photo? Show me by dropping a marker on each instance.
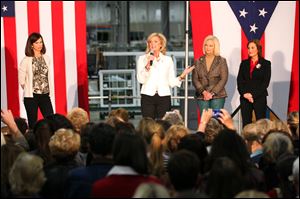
(228, 30)
(70, 54)
(46, 32)
(279, 42)
(21, 36)
(3, 70)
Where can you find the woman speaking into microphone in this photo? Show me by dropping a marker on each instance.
(155, 71)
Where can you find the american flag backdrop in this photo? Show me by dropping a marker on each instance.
(63, 27)
(275, 23)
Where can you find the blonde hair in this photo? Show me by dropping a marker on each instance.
(278, 125)
(293, 123)
(27, 176)
(163, 41)
(173, 136)
(120, 113)
(78, 118)
(64, 143)
(151, 190)
(153, 133)
(216, 44)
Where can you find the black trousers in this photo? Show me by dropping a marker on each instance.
(32, 104)
(155, 106)
(259, 106)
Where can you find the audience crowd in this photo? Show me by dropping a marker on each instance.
(72, 157)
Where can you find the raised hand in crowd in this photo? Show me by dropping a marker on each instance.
(225, 118)
(205, 117)
(8, 118)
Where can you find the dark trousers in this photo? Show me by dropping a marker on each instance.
(155, 106)
(259, 106)
(32, 104)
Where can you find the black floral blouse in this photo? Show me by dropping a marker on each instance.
(40, 76)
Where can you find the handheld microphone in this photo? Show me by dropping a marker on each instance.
(151, 61)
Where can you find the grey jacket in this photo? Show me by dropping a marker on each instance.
(213, 80)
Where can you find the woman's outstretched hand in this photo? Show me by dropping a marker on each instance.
(186, 71)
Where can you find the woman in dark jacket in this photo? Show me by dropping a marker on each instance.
(252, 82)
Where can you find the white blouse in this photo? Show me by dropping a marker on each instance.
(160, 78)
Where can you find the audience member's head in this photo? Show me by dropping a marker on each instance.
(64, 144)
(114, 121)
(173, 136)
(9, 153)
(263, 125)
(278, 125)
(151, 190)
(58, 121)
(43, 133)
(130, 150)
(184, 170)
(276, 144)
(174, 117)
(230, 144)
(120, 113)
(84, 136)
(253, 135)
(153, 134)
(225, 179)
(212, 129)
(194, 143)
(78, 117)
(164, 123)
(125, 127)
(27, 176)
(101, 138)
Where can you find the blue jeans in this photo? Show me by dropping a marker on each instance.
(213, 104)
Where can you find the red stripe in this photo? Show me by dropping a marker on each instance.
(80, 18)
(294, 88)
(59, 57)
(33, 17)
(202, 26)
(9, 24)
(244, 49)
(34, 26)
(201, 23)
(262, 42)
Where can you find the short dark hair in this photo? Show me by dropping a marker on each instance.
(33, 37)
(183, 169)
(258, 46)
(101, 138)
